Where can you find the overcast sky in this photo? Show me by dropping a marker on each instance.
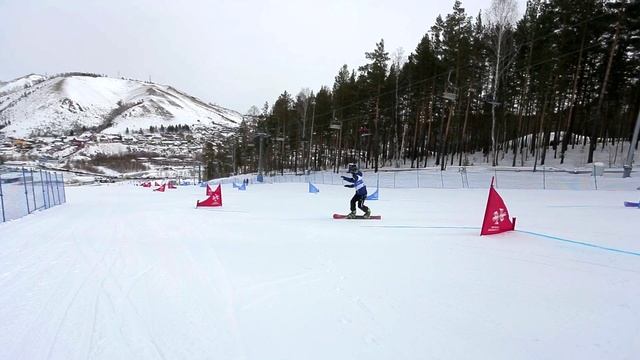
(235, 53)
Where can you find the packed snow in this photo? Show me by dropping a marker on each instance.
(122, 272)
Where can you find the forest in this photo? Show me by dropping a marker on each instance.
(530, 83)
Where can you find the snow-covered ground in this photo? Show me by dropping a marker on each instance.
(20, 83)
(121, 272)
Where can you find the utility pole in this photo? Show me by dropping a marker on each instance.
(233, 154)
(313, 116)
(261, 136)
(304, 133)
(628, 164)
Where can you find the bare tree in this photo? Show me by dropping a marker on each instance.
(502, 14)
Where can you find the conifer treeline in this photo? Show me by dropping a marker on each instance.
(568, 75)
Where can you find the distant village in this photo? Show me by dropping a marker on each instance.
(156, 148)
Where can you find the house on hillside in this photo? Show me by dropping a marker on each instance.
(24, 144)
(79, 143)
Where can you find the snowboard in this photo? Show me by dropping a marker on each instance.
(358, 217)
(632, 204)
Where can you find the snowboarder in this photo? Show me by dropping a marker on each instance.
(357, 182)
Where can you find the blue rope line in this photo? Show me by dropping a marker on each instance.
(425, 227)
(579, 243)
(520, 231)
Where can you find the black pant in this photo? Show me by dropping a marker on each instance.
(359, 199)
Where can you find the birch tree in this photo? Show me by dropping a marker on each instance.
(501, 16)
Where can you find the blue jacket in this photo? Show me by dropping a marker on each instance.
(357, 182)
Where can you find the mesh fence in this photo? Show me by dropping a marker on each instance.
(24, 191)
(474, 178)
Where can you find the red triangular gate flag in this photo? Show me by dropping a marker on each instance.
(496, 216)
(161, 188)
(172, 186)
(214, 199)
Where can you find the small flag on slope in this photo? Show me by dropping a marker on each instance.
(214, 199)
(313, 189)
(496, 215)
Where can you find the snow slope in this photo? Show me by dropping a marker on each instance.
(121, 272)
(20, 83)
(65, 103)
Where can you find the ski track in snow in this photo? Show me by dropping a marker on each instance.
(123, 272)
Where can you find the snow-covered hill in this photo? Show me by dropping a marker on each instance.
(102, 104)
(20, 83)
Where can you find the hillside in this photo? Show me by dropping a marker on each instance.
(20, 83)
(79, 102)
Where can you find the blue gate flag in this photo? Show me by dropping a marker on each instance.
(313, 189)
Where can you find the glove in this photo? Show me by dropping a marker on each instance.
(346, 186)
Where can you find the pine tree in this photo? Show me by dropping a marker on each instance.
(375, 73)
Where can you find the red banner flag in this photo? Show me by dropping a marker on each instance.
(214, 199)
(161, 188)
(496, 216)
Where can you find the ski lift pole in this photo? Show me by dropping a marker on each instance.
(628, 164)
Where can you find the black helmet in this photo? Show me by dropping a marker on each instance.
(353, 168)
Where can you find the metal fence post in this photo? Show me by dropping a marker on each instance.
(544, 178)
(595, 178)
(58, 188)
(466, 176)
(49, 195)
(495, 175)
(418, 176)
(33, 191)
(53, 194)
(26, 193)
(44, 194)
(394, 179)
(441, 179)
(64, 191)
(2, 201)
